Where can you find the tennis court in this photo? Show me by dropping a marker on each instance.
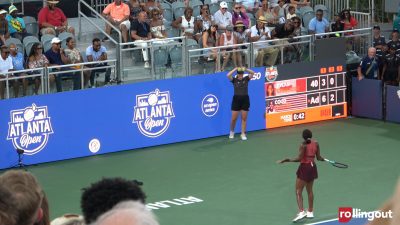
(221, 182)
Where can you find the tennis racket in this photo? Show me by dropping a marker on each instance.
(337, 164)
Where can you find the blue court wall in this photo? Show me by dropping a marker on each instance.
(367, 98)
(103, 120)
(393, 104)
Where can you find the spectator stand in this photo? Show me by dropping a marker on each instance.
(31, 74)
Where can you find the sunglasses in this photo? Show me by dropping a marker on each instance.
(238, 7)
(13, 48)
(224, 8)
(6, 52)
(296, 22)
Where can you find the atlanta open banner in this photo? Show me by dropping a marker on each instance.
(103, 120)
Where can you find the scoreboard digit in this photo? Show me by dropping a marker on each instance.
(312, 83)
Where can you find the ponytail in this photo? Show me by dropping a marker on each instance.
(307, 135)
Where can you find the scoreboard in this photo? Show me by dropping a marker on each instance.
(304, 92)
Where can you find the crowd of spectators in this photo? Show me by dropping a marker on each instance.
(114, 201)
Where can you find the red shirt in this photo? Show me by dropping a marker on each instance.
(309, 154)
(55, 17)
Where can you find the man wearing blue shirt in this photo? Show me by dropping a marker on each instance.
(318, 24)
(16, 25)
(18, 64)
(369, 66)
(97, 53)
(56, 56)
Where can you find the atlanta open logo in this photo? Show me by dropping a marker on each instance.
(30, 128)
(153, 113)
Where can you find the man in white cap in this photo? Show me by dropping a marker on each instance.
(6, 66)
(56, 56)
(16, 25)
(222, 17)
(4, 34)
(52, 20)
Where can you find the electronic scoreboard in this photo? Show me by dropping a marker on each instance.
(305, 92)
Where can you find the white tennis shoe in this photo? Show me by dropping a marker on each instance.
(231, 135)
(300, 216)
(243, 136)
(310, 214)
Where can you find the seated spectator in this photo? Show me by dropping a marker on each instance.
(18, 64)
(117, 13)
(97, 53)
(239, 13)
(16, 25)
(157, 25)
(103, 195)
(283, 30)
(350, 23)
(210, 39)
(241, 34)
(369, 66)
(28, 196)
(186, 23)
(296, 21)
(291, 12)
(4, 33)
(150, 5)
(135, 7)
(266, 55)
(140, 33)
(391, 68)
(52, 20)
(57, 57)
(227, 39)
(300, 3)
(6, 66)
(222, 17)
(250, 5)
(337, 25)
(7, 207)
(36, 59)
(267, 13)
(318, 24)
(280, 9)
(203, 21)
(128, 213)
(74, 55)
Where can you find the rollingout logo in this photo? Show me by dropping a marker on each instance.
(348, 213)
(210, 105)
(30, 128)
(153, 113)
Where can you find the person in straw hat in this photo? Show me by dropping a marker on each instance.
(266, 56)
(52, 20)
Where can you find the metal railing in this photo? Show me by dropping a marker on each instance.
(334, 6)
(100, 5)
(46, 74)
(118, 47)
(364, 19)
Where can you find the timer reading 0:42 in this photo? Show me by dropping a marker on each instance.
(299, 116)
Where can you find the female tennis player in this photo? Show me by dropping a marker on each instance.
(241, 100)
(306, 173)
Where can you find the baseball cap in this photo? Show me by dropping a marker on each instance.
(53, 2)
(3, 11)
(223, 5)
(55, 40)
(377, 27)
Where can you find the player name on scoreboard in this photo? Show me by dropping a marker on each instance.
(306, 99)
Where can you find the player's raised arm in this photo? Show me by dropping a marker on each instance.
(230, 74)
(251, 73)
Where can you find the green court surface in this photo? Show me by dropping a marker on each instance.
(239, 182)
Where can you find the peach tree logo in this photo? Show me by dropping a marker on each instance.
(30, 128)
(153, 113)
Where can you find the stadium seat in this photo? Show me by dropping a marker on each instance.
(46, 37)
(324, 9)
(32, 28)
(305, 9)
(46, 45)
(17, 43)
(214, 8)
(178, 8)
(29, 19)
(230, 4)
(167, 13)
(160, 61)
(252, 19)
(175, 54)
(28, 47)
(196, 6)
(63, 37)
(30, 39)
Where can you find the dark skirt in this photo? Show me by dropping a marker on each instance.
(307, 172)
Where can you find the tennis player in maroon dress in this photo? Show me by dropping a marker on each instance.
(306, 173)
